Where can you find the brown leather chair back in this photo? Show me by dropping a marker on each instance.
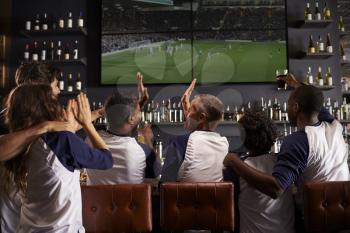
(197, 206)
(327, 206)
(117, 208)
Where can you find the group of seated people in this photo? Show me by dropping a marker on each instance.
(42, 156)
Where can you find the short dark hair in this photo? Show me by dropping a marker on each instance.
(260, 132)
(309, 98)
(118, 107)
(212, 106)
(36, 72)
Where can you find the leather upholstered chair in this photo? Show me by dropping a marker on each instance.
(117, 208)
(197, 206)
(327, 206)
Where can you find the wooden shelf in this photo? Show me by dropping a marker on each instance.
(317, 55)
(315, 23)
(81, 61)
(57, 32)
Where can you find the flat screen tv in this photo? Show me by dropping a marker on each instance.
(174, 41)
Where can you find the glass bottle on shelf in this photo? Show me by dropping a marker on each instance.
(61, 82)
(311, 47)
(170, 112)
(66, 52)
(61, 23)
(28, 25)
(78, 83)
(35, 53)
(342, 52)
(319, 77)
(81, 20)
(309, 76)
(180, 112)
(45, 23)
(227, 114)
(70, 83)
(159, 147)
(317, 12)
(329, 78)
(320, 44)
(44, 51)
(37, 23)
(344, 84)
(59, 51)
(70, 20)
(329, 47)
(341, 25)
(163, 112)
(52, 52)
(26, 53)
(326, 12)
(308, 14)
(75, 50)
(175, 110)
(156, 113)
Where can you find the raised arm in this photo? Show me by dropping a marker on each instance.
(13, 143)
(143, 91)
(185, 99)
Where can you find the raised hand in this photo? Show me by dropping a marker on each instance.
(69, 116)
(81, 109)
(185, 99)
(290, 80)
(143, 91)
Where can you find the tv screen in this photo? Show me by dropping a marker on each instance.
(174, 41)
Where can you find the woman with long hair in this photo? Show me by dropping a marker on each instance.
(47, 174)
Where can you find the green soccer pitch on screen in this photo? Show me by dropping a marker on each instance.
(213, 41)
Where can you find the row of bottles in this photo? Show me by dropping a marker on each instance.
(101, 120)
(319, 46)
(339, 111)
(319, 79)
(274, 110)
(317, 13)
(69, 85)
(154, 112)
(46, 22)
(51, 52)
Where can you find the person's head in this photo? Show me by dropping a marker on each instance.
(205, 112)
(38, 73)
(259, 132)
(306, 101)
(122, 112)
(30, 104)
(26, 106)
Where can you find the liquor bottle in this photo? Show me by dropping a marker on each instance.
(163, 112)
(317, 12)
(75, 50)
(326, 12)
(37, 23)
(156, 113)
(170, 111)
(70, 20)
(309, 76)
(143, 117)
(329, 47)
(284, 113)
(66, 52)
(159, 147)
(235, 114)
(341, 25)
(336, 111)
(270, 109)
(276, 111)
(45, 23)
(100, 120)
(174, 112)
(329, 105)
(28, 25)
(329, 78)
(81, 20)
(61, 23)
(148, 113)
(342, 53)
(59, 51)
(70, 83)
(308, 14)
(44, 51)
(320, 44)
(26, 52)
(61, 82)
(35, 53)
(344, 110)
(78, 83)
(319, 76)
(180, 112)
(311, 48)
(344, 84)
(228, 114)
(51, 52)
